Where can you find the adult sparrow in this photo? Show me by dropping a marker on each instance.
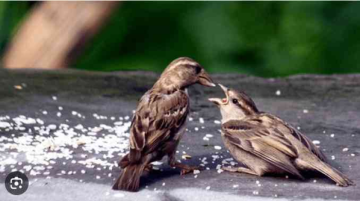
(264, 143)
(158, 123)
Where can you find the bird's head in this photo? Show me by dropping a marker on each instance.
(236, 105)
(183, 72)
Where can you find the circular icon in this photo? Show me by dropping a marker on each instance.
(16, 183)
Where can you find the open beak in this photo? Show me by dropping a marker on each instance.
(223, 101)
(204, 79)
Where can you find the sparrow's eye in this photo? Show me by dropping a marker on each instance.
(197, 69)
(235, 101)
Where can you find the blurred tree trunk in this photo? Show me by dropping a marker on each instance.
(54, 33)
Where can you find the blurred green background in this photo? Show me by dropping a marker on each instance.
(268, 39)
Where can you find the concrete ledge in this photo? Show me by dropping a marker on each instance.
(55, 124)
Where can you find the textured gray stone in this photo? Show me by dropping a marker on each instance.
(332, 102)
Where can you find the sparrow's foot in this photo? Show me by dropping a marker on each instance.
(239, 170)
(186, 169)
(148, 168)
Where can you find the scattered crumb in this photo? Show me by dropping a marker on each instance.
(18, 87)
(186, 157)
(305, 111)
(208, 188)
(316, 142)
(345, 149)
(217, 122)
(332, 135)
(278, 92)
(119, 195)
(217, 147)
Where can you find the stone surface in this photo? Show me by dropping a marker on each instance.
(325, 108)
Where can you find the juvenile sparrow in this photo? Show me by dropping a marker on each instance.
(264, 143)
(158, 123)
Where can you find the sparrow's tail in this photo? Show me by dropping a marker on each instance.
(129, 179)
(327, 170)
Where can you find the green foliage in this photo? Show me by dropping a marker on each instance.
(11, 13)
(258, 38)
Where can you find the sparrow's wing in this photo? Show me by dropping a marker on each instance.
(156, 119)
(298, 135)
(266, 143)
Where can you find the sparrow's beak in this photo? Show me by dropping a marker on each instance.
(223, 101)
(204, 79)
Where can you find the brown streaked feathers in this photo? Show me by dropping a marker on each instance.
(157, 125)
(267, 144)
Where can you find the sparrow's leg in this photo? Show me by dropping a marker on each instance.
(148, 168)
(240, 170)
(170, 149)
(185, 169)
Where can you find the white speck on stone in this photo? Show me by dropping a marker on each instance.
(305, 111)
(45, 112)
(196, 129)
(196, 171)
(256, 192)
(4, 125)
(332, 157)
(217, 122)
(220, 171)
(201, 120)
(278, 92)
(332, 135)
(163, 184)
(208, 188)
(18, 87)
(235, 186)
(54, 98)
(119, 195)
(217, 147)
(209, 136)
(345, 149)
(191, 119)
(316, 142)
(352, 154)
(52, 126)
(157, 163)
